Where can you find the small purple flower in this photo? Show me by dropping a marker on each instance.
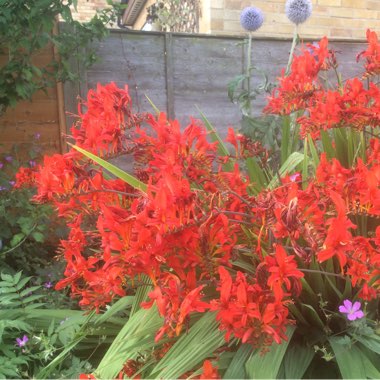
(32, 163)
(12, 183)
(2, 188)
(22, 342)
(295, 177)
(251, 18)
(8, 158)
(1, 165)
(37, 136)
(48, 285)
(352, 310)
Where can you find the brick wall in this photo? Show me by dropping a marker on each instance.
(86, 9)
(347, 19)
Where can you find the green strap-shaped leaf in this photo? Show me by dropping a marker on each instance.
(267, 366)
(137, 334)
(292, 161)
(130, 179)
(199, 343)
(296, 361)
(352, 362)
(236, 369)
(222, 148)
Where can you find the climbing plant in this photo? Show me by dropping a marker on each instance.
(27, 27)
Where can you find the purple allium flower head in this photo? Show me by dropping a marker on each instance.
(352, 310)
(251, 18)
(12, 183)
(298, 11)
(22, 342)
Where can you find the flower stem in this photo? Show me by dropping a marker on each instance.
(294, 44)
(248, 74)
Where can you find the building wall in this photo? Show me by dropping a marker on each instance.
(347, 19)
(86, 9)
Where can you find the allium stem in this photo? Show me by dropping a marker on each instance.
(248, 73)
(294, 44)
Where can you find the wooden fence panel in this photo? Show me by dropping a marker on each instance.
(179, 71)
(40, 116)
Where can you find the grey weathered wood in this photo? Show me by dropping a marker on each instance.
(169, 76)
(179, 71)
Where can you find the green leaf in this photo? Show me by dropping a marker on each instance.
(38, 237)
(199, 343)
(16, 239)
(267, 366)
(327, 145)
(156, 110)
(120, 305)
(236, 369)
(137, 334)
(351, 361)
(314, 153)
(131, 180)
(232, 85)
(285, 137)
(371, 342)
(222, 149)
(292, 161)
(256, 174)
(141, 294)
(296, 361)
(310, 314)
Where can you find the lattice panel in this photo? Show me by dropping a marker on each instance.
(176, 15)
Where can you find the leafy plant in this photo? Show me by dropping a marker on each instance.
(218, 250)
(27, 29)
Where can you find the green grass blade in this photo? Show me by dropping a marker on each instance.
(130, 179)
(267, 366)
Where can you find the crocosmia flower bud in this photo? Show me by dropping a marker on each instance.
(298, 11)
(251, 18)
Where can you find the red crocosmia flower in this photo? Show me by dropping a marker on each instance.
(25, 177)
(209, 371)
(282, 269)
(339, 239)
(85, 376)
(372, 54)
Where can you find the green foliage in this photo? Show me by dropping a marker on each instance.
(26, 30)
(29, 232)
(57, 339)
